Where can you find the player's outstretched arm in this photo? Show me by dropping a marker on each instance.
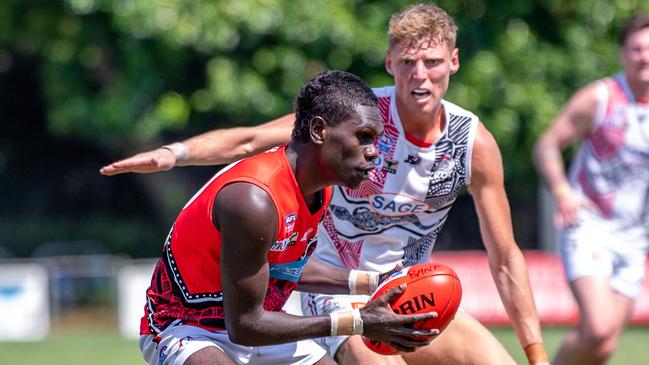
(246, 240)
(216, 147)
(572, 124)
(320, 277)
(505, 258)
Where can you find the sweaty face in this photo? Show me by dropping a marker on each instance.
(635, 56)
(349, 150)
(421, 73)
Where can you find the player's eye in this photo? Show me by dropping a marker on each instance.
(365, 138)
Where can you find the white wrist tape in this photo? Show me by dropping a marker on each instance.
(179, 150)
(346, 323)
(362, 282)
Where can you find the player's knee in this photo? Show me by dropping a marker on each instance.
(601, 340)
(353, 351)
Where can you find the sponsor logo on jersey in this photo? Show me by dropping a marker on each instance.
(306, 234)
(289, 271)
(330, 305)
(384, 144)
(378, 161)
(390, 165)
(289, 222)
(163, 355)
(175, 347)
(282, 245)
(413, 160)
(396, 205)
(443, 168)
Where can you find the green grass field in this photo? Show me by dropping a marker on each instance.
(105, 346)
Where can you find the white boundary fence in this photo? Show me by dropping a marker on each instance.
(24, 301)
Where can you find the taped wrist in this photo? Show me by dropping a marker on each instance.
(535, 353)
(179, 150)
(561, 190)
(362, 282)
(346, 323)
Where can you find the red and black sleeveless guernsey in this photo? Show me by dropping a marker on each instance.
(186, 283)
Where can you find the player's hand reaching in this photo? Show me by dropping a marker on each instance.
(385, 275)
(161, 159)
(567, 207)
(382, 324)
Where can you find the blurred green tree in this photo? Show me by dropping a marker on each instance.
(126, 75)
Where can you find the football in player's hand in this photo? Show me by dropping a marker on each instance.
(430, 288)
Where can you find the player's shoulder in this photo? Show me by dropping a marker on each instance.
(384, 92)
(264, 166)
(457, 110)
(586, 99)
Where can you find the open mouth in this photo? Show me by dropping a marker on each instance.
(420, 94)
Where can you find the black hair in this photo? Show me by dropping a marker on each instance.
(331, 95)
(634, 24)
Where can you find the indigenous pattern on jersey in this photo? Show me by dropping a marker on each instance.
(398, 212)
(611, 167)
(186, 283)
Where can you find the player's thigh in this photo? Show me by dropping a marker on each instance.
(354, 352)
(211, 355)
(464, 341)
(325, 360)
(595, 296)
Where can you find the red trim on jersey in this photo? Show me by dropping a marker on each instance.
(418, 142)
(186, 284)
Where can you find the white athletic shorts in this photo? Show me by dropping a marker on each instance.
(177, 343)
(592, 248)
(322, 305)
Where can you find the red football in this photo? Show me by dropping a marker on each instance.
(431, 288)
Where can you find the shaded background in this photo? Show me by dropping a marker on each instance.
(86, 82)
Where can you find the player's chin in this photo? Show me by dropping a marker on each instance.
(354, 179)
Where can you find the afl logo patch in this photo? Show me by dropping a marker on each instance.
(385, 143)
(289, 222)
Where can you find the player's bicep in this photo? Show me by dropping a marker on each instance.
(274, 133)
(488, 192)
(247, 220)
(575, 120)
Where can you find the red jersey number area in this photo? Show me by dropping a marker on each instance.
(430, 288)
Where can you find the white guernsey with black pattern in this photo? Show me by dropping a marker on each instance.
(396, 215)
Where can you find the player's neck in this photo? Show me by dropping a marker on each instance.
(425, 127)
(640, 89)
(302, 161)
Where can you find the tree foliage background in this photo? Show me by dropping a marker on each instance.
(84, 82)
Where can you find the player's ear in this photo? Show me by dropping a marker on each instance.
(455, 60)
(318, 130)
(388, 62)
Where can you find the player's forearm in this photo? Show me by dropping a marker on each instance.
(319, 277)
(270, 328)
(511, 278)
(549, 164)
(510, 275)
(223, 146)
(217, 147)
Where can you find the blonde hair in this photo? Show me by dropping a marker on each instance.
(421, 22)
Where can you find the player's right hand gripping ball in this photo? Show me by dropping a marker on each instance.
(430, 288)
